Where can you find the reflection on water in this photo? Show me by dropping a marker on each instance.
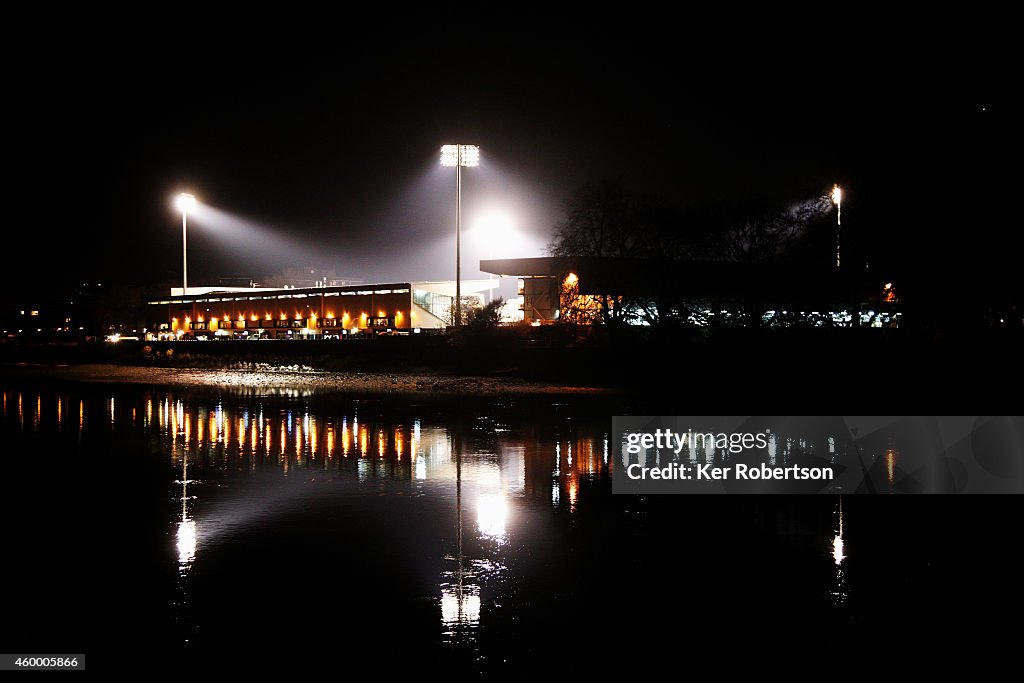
(186, 526)
(489, 493)
(486, 478)
(890, 466)
(839, 590)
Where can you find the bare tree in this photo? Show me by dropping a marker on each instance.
(603, 219)
(767, 235)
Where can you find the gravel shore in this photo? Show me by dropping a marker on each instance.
(295, 377)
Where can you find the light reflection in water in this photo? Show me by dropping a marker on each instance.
(186, 539)
(839, 590)
(496, 482)
(460, 609)
(890, 466)
(492, 511)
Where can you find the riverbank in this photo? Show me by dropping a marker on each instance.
(274, 378)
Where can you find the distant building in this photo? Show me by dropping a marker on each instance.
(587, 290)
(307, 312)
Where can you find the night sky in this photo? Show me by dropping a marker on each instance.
(316, 137)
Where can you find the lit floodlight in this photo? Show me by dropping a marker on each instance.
(185, 202)
(470, 155)
(837, 199)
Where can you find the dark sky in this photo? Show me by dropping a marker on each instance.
(319, 133)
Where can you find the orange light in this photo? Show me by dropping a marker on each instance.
(241, 318)
(199, 319)
(254, 317)
(571, 279)
(399, 318)
(284, 317)
(330, 315)
(381, 314)
(268, 317)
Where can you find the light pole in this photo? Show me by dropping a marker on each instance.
(459, 156)
(184, 202)
(837, 199)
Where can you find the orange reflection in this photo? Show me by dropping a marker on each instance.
(890, 464)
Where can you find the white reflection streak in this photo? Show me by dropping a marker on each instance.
(837, 542)
(837, 550)
(186, 541)
(492, 513)
(456, 609)
(187, 527)
(839, 594)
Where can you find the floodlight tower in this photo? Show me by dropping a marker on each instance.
(185, 202)
(459, 156)
(837, 199)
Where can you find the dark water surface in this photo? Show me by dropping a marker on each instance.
(475, 536)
